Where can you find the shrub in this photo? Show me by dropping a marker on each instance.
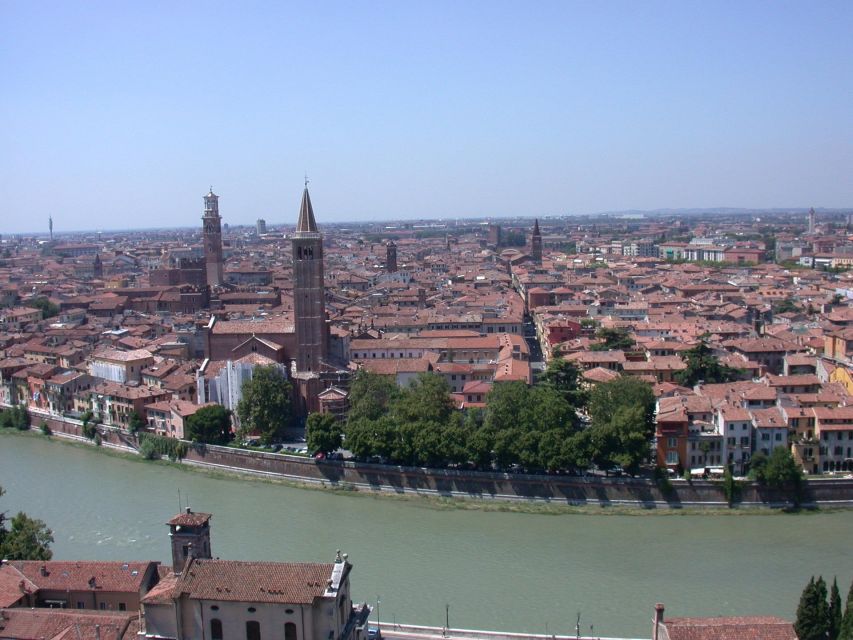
(148, 450)
(45, 429)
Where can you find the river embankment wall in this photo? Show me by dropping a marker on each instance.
(451, 483)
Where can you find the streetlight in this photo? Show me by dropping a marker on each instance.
(378, 601)
(447, 617)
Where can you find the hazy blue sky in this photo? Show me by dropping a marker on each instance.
(119, 114)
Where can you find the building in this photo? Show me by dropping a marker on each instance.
(261, 226)
(391, 257)
(120, 366)
(216, 599)
(212, 232)
(309, 290)
(717, 628)
(536, 243)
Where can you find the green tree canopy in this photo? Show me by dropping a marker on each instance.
(26, 539)
(265, 405)
(370, 394)
(835, 611)
(782, 471)
(626, 391)
(210, 424)
(563, 376)
(703, 365)
(612, 339)
(48, 308)
(812, 621)
(323, 433)
(136, 423)
(845, 631)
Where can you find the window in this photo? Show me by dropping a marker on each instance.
(102, 606)
(122, 606)
(216, 629)
(253, 630)
(80, 605)
(671, 442)
(289, 631)
(778, 436)
(672, 457)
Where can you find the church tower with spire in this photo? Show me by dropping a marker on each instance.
(536, 243)
(309, 304)
(212, 234)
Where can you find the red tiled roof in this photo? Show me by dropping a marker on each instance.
(76, 576)
(739, 628)
(58, 624)
(274, 582)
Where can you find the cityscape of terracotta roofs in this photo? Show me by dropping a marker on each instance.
(158, 324)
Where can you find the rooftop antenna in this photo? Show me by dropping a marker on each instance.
(306, 180)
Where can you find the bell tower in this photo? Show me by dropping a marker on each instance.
(390, 257)
(536, 243)
(212, 233)
(189, 534)
(309, 305)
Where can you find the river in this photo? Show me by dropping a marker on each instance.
(509, 571)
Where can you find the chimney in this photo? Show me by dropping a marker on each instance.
(43, 570)
(97, 632)
(658, 621)
(189, 510)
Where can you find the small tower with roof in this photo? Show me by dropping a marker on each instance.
(189, 534)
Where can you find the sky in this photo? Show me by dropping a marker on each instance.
(122, 115)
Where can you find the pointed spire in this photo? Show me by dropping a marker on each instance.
(306, 222)
(536, 227)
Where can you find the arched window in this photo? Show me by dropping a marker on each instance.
(289, 631)
(253, 630)
(216, 629)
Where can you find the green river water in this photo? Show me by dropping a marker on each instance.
(510, 571)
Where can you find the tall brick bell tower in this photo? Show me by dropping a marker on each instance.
(309, 304)
(212, 233)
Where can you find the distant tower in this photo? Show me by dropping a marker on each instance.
(309, 306)
(495, 235)
(189, 534)
(536, 243)
(50, 226)
(261, 226)
(391, 257)
(97, 267)
(811, 221)
(212, 231)
(447, 241)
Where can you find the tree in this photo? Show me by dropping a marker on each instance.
(845, 631)
(625, 391)
(563, 376)
(613, 339)
(370, 394)
(758, 467)
(136, 423)
(210, 424)
(787, 305)
(48, 309)
(834, 611)
(265, 405)
(15, 418)
(703, 365)
(811, 623)
(782, 470)
(27, 539)
(323, 433)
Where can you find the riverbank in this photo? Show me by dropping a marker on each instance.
(423, 496)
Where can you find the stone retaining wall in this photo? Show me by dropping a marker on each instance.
(557, 489)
